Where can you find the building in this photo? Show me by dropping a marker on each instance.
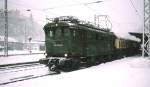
(13, 44)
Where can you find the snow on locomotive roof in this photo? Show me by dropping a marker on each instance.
(10, 39)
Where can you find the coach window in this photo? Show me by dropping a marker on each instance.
(119, 44)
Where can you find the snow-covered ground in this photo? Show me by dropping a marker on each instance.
(127, 72)
(20, 59)
(12, 52)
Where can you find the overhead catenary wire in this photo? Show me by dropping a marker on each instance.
(136, 11)
(70, 5)
(47, 10)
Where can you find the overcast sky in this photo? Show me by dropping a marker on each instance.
(125, 15)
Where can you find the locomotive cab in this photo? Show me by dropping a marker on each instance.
(58, 46)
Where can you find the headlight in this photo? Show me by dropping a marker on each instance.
(65, 54)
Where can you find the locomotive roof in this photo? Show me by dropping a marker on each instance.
(69, 24)
(72, 22)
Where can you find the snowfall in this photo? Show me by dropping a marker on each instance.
(126, 72)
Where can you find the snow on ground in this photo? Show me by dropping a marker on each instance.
(20, 59)
(127, 72)
(11, 52)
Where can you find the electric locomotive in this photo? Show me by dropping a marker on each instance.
(71, 43)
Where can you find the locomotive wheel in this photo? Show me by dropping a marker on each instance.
(53, 68)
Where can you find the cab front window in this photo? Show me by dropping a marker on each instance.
(50, 33)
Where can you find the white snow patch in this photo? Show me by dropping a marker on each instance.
(127, 72)
(13, 52)
(20, 59)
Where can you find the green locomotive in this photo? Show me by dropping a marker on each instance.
(71, 43)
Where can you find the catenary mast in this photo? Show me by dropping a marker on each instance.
(146, 30)
(6, 30)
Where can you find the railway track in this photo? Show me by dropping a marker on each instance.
(21, 72)
(18, 65)
(21, 54)
(11, 73)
